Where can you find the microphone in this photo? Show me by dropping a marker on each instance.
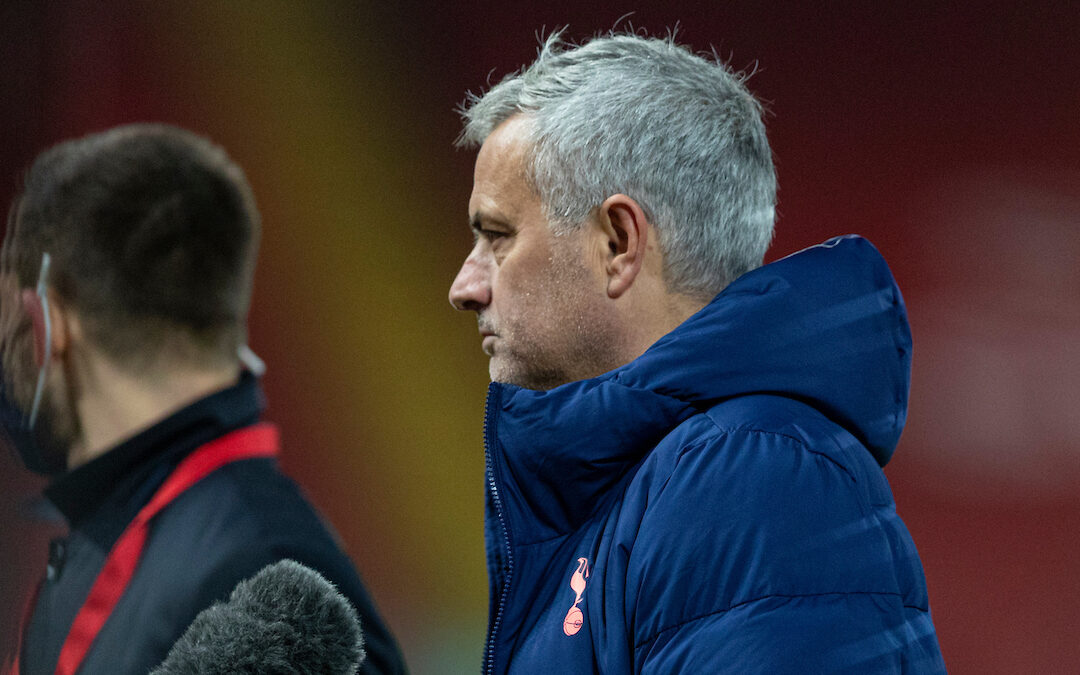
(285, 620)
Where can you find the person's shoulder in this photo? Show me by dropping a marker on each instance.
(758, 516)
(767, 414)
(250, 508)
(247, 515)
(751, 499)
(261, 488)
(751, 441)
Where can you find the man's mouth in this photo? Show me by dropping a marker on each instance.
(485, 330)
(487, 340)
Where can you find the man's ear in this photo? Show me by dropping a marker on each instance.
(35, 309)
(627, 230)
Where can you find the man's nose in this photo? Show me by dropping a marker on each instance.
(471, 289)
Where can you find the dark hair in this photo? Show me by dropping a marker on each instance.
(152, 231)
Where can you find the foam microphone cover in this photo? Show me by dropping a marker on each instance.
(287, 619)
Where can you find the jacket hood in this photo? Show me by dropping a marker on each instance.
(825, 326)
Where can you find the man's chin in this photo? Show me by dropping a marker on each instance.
(495, 371)
(504, 371)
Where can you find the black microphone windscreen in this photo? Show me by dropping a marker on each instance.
(285, 620)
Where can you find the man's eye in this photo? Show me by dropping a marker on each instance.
(492, 235)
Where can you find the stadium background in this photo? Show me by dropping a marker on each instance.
(948, 133)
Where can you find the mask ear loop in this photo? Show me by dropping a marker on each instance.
(251, 361)
(43, 295)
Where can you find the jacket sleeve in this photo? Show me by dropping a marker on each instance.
(839, 633)
(761, 553)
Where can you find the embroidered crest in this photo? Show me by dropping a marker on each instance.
(574, 617)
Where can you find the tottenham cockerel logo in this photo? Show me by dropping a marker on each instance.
(574, 618)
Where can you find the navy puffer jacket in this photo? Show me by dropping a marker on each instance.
(717, 505)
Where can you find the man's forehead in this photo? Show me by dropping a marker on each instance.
(497, 200)
(499, 179)
(512, 137)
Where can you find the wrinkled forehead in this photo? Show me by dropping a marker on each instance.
(506, 150)
(501, 173)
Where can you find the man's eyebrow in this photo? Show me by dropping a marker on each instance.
(480, 218)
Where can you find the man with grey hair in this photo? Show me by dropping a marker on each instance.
(684, 448)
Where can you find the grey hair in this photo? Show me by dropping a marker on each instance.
(679, 133)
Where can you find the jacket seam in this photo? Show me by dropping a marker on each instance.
(732, 431)
(544, 541)
(737, 605)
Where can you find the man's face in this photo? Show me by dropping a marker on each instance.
(57, 424)
(540, 298)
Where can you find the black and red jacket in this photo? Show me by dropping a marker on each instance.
(224, 529)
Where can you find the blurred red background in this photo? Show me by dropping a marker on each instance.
(948, 134)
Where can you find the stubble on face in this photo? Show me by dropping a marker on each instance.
(540, 296)
(57, 425)
(557, 329)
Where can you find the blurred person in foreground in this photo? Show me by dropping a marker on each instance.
(126, 277)
(684, 448)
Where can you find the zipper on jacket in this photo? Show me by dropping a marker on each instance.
(489, 444)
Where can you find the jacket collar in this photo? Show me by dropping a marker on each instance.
(122, 471)
(826, 326)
